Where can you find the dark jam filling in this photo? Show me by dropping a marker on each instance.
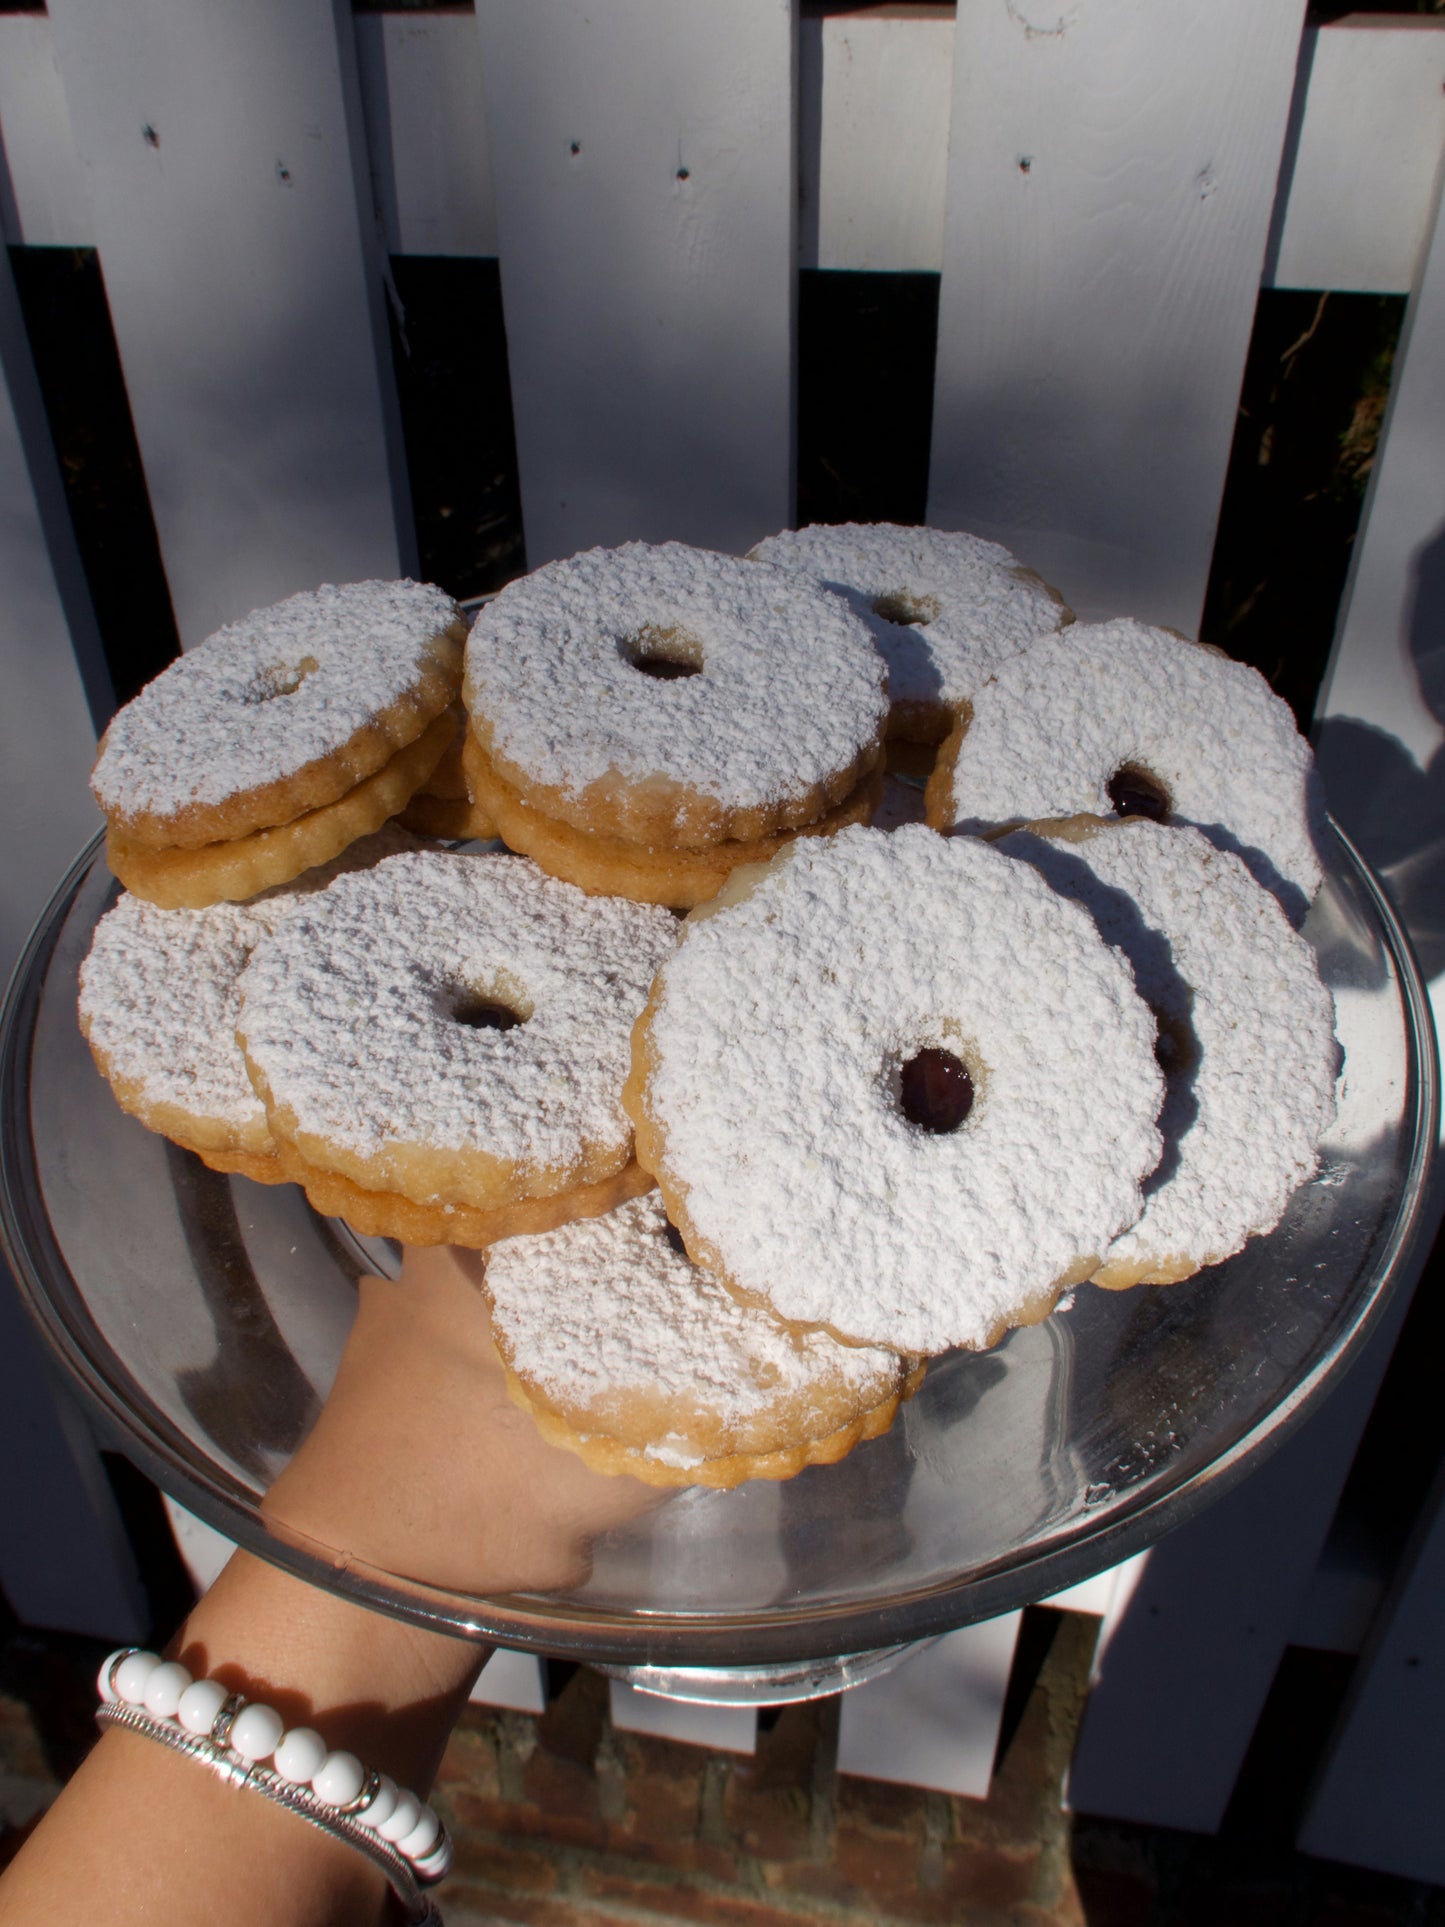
(904, 610)
(661, 670)
(1133, 792)
(479, 1013)
(937, 1091)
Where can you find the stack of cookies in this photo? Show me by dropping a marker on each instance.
(279, 740)
(643, 720)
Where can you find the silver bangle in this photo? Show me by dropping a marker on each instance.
(142, 1702)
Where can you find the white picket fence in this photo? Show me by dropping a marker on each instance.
(1103, 189)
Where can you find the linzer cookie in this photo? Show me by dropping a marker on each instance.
(668, 699)
(1116, 717)
(629, 1355)
(453, 1029)
(896, 1087)
(1246, 1034)
(945, 609)
(158, 1003)
(279, 740)
(158, 1009)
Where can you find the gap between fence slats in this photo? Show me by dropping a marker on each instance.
(64, 1561)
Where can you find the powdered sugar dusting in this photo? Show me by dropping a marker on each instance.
(266, 696)
(1057, 722)
(779, 1033)
(349, 1013)
(1240, 993)
(790, 687)
(158, 999)
(159, 990)
(606, 1308)
(975, 607)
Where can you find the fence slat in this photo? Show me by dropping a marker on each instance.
(1382, 748)
(1358, 187)
(731, 1729)
(644, 164)
(1111, 176)
(65, 1561)
(1382, 1792)
(874, 96)
(875, 93)
(43, 198)
(1382, 705)
(245, 285)
(934, 1720)
(421, 84)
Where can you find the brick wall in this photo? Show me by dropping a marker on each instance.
(563, 1821)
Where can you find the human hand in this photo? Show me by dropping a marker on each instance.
(420, 1463)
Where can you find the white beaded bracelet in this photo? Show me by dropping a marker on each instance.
(235, 1736)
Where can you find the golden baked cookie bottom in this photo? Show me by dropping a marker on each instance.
(720, 1467)
(607, 866)
(260, 1169)
(453, 819)
(314, 786)
(387, 1214)
(659, 813)
(440, 1175)
(208, 1136)
(190, 879)
(449, 779)
(1121, 1276)
(442, 807)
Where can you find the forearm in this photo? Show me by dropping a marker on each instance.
(419, 1463)
(142, 1834)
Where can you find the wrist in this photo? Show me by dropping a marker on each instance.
(375, 1686)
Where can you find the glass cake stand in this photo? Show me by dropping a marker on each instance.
(203, 1317)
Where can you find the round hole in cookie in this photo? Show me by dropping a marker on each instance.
(1175, 1045)
(1134, 791)
(935, 1090)
(280, 679)
(498, 1005)
(907, 611)
(666, 655)
(481, 1013)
